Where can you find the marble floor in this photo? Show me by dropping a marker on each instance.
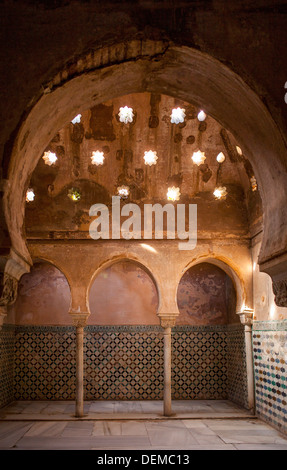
(195, 425)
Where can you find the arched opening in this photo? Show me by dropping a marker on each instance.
(242, 113)
(44, 340)
(206, 296)
(209, 357)
(123, 294)
(123, 347)
(59, 215)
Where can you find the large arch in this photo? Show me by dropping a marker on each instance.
(178, 71)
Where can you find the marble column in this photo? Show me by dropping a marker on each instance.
(246, 318)
(167, 324)
(79, 323)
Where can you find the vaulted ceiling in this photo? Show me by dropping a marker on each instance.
(54, 214)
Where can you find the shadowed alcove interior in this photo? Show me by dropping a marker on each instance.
(206, 296)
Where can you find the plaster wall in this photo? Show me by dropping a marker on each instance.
(269, 349)
(43, 298)
(123, 294)
(265, 308)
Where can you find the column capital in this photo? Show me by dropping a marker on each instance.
(167, 321)
(13, 271)
(246, 316)
(280, 291)
(79, 319)
(10, 290)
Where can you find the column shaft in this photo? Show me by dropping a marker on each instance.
(79, 371)
(167, 372)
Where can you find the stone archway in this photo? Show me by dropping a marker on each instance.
(178, 71)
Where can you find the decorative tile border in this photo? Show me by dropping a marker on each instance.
(122, 329)
(274, 325)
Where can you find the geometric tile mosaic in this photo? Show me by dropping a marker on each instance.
(270, 370)
(122, 362)
(45, 363)
(237, 374)
(199, 358)
(6, 365)
(127, 363)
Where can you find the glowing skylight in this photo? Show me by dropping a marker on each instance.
(97, 158)
(126, 114)
(201, 116)
(123, 191)
(173, 194)
(30, 195)
(177, 115)
(220, 192)
(74, 194)
(198, 157)
(50, 158)
(150, 158)
(220, 157)
(77, 119)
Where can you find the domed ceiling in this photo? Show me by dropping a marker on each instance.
(75, 178)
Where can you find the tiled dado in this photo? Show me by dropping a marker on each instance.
(199, 363)
(7, 338)
(270, 370)
(123, 363)
(127, 363)
(237, 373)
(44, 363)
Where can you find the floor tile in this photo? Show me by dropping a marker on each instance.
(52, 425)
(46, 429)
(107, 428)
(11, 432)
